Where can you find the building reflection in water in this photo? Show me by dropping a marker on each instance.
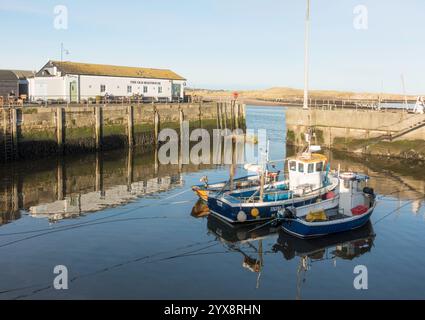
(69, 187)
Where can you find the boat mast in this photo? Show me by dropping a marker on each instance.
(306, 39)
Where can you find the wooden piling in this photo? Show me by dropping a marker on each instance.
(225, 115)
(130, 126)
(236, 113)
(15, 131)
(218, 115)
(200, 114)
(221, 115)
(98, 125)
(59, 128)
(156, 126)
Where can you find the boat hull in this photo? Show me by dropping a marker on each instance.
(303, 229)
(254, 212)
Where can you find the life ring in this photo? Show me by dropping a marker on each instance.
(255, 212)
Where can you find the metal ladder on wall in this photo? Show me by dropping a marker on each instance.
(7, 136)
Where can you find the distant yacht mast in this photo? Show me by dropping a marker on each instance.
(307, 27)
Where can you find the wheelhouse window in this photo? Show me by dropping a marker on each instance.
(301, 167)
(310, 167)
(159, 89)
(293, 165)
(145, 89)
(102, 88)
(319, 166)
(129, 89)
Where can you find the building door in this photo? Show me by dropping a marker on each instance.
(73, 94)
(23, 88)
(176, 90)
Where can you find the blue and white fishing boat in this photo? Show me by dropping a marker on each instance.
(356, 204)
(248, 184)
(309, 182)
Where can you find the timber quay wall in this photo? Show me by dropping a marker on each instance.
(34, 132)
(394, 133)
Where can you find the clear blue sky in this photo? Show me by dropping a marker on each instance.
(230, 44)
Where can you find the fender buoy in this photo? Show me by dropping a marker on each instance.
(255, 212)
(241, 216)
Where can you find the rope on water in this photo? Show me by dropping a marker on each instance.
(392, 212)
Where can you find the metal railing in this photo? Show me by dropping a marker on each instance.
(46, 101)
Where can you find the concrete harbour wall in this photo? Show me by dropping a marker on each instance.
(41, 131)
(360, 131)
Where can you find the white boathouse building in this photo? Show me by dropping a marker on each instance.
(80, 82)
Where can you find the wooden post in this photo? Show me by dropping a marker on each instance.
(98, 117)
(200, 114)
(184, 154)
(221, 115)
(232, 114)
(225, 115)
(181, 119)
(156, 125)
(237, 107)
(130, 125)
(218, 115)
(15, 131)
(59, 128)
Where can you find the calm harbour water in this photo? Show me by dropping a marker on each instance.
(129, 229)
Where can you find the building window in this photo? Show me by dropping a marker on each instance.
(102, 88)
(145, 89)
(159, 89)
(129, 89)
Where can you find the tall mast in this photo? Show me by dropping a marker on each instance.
(306, 38)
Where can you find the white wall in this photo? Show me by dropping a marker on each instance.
(117, 86)
(45, 88)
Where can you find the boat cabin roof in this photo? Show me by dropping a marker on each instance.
(310, 158)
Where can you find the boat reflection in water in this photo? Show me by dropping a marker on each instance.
(244, 240)
(200, 209)
(347, 246)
